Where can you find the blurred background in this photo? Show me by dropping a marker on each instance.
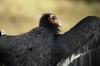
(20, 16)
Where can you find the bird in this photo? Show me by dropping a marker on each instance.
(44, 46)
(32, 48)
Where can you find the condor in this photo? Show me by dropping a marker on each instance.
(44, 46)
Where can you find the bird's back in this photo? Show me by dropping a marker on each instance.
(29, 49)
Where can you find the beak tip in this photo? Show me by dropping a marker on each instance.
(60, 24)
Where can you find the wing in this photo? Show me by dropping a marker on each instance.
(91, 58)
(81, 38)
(29, 49)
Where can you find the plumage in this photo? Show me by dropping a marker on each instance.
(43, 46)
(29, 49)
(80, 40)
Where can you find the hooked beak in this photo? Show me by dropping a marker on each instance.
(57, 22)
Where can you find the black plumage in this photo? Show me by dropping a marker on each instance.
(81, 40)
(29, 49)
(43, 46)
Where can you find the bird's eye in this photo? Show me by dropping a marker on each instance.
(53, 17)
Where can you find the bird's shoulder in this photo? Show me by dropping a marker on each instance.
(39, 31)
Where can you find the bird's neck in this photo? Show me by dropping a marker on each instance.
(52, 29)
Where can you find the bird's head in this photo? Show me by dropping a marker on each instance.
(50, 21)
